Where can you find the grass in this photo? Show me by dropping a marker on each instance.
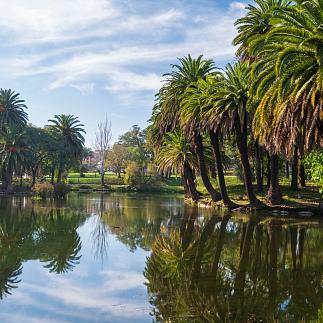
(304, 197)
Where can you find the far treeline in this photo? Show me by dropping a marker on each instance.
(268, 104)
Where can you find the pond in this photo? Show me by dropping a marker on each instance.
(144, 258)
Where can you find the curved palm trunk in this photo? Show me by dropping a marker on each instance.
(198, 145)
(241, 137)
(274, 195)
(217, 156)
(189, 181)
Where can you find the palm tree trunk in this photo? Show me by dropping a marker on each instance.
(188, 173)
(294, 182)
(258, 167)
(274, 195)
(52, 174)
(198, 145)
(268, 170)
(9, 175)
(217, 156)
(302, 177)
(241, 137)
(287, 169)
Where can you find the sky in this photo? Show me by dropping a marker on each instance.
(100, 59)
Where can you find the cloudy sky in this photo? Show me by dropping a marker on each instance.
(98, 58)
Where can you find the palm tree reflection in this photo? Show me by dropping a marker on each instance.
(236, 272)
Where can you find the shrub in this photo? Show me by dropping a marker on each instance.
(61, 190)
(136, 178)
(43, 190)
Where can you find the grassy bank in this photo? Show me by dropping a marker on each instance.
(304, 197)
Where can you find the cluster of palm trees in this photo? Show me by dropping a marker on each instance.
(270, 98)
(26, 149)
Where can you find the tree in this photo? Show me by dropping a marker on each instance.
(170, 99)
(102, 141)
(13, 155)
(69, 131)
(230, 112)
(12, 109)
(194, 114)
(176, 154)
(117, 158)
(41, 146)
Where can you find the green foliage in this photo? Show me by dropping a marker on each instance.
(135, 177)
(319, 318)
(61, 189)
(314, 167)
(43, 190)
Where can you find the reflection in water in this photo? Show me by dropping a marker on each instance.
(202, 267)
(228, 271)
(29, 232)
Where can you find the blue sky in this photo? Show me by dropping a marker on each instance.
(98, 58)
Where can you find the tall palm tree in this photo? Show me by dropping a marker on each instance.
(12, 109)
(176, 154)
(70, 130)
(169, 101)
(229, 110)
(196, 102)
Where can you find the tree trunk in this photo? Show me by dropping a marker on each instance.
(259, 167)
(217, 156)
(274, 195)
(60, 171)
(302, 177)
(9, 175)
(198, 145)
(188, 174)
(287, 169)
(241, 137)
(102, 178)
(268, 170)
(294, 182)
(52, 175)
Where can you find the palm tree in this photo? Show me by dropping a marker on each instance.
(13, 155)
(196, 102)
(257, 22)
(167, 109)
(176, 154)
(70, 130)
(289, 77)
(229, 111)
(12, 109)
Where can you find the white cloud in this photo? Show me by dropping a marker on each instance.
(118, 43)
(236, 5)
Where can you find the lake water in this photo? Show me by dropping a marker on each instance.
(139, 258)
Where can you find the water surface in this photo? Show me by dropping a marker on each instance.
(141, 258)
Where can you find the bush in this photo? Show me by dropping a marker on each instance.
(136, 178)
(61, 190)
(43, 190)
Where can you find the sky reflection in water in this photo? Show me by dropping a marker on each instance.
(83, 261)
